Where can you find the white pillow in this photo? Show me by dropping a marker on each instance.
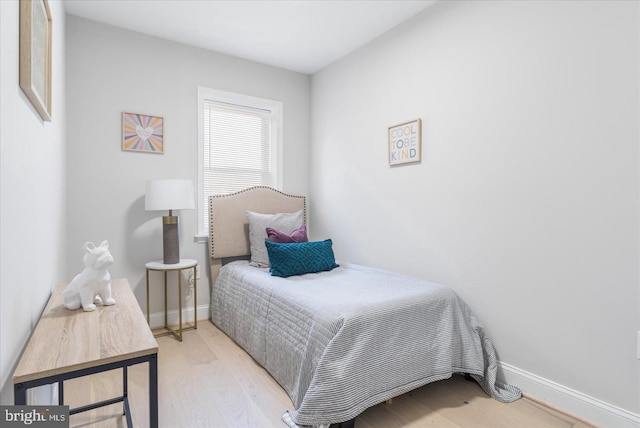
(258, 223)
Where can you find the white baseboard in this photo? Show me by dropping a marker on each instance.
(571, 401)
(156, 319)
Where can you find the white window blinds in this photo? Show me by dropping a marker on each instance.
(239, 144)
(236, 147)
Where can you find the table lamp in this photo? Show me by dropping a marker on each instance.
(169, 195)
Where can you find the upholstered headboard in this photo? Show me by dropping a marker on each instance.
(229, 225)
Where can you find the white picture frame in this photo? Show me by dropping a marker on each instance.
(405, 142)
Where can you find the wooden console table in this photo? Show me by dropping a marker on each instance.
(68, 344)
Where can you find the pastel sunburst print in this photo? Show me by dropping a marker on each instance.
(142, 133)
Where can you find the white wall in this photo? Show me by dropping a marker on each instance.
(32, 193)
(112, 70)
(526, 200)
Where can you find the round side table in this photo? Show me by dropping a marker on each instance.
(182, 265)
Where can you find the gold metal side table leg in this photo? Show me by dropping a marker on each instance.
(180, 305)
(166, 322)
(195, 297)
(148, 319)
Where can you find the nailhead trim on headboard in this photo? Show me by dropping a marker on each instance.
(215, 199)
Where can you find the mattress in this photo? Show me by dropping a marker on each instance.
(341, 341)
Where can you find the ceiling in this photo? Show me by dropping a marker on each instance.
(298, 35)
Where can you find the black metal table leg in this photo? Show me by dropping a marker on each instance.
(20, 394)
(153, 391)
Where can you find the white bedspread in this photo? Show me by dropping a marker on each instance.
(342, 341)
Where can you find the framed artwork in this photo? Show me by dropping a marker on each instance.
(142, 133)
(35, 54)
(405, 142)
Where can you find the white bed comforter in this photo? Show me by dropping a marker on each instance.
(342, 341)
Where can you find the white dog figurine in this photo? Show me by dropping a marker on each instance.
(93, 284)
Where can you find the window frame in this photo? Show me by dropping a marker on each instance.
(276, 138)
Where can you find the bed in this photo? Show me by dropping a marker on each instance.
(342, 339)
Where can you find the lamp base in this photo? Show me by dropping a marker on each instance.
(170, 240)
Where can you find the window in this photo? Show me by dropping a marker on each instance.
(240, 137)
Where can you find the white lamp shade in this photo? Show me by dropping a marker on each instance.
(169, 195)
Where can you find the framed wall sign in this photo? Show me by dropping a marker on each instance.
(35, 54)
(142, 133)
(405, 142)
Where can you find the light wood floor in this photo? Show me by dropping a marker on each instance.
(208, 381)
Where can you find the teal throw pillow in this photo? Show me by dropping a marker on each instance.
(300, 257)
